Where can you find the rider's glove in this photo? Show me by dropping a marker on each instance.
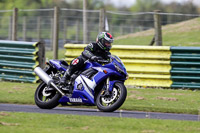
(95, 58)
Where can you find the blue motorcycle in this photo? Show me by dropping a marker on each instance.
(97, 83)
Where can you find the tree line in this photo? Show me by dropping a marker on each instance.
(139, 6)
(142, 22)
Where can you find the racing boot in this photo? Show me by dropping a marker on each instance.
(65, 77)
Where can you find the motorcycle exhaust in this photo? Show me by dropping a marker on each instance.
(48, 80)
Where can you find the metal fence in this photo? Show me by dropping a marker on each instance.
(37, 24)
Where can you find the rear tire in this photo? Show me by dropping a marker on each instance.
(50, 100)
(113, 102)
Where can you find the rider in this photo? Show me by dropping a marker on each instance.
(93, 51)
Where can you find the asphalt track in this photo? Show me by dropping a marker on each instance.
(95, 112)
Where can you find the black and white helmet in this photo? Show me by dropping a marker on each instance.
(104, 40)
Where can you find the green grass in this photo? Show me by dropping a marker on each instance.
(55, 123)
(21, 93)
(61, 54)
(180, 34)
(157, 100)
(183, 39)
(163, 100)
(140, 40)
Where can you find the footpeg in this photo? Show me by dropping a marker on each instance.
(65, 88)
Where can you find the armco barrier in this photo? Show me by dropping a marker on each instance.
(185, 62)
(157, 66)
(18, 59)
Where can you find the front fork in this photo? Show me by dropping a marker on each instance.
(107, 83)
(107, 92)
(110, 84)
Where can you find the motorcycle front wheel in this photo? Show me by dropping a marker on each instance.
(111, 102)
(46, 97)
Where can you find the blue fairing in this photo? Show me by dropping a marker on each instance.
(57, 65)
(84, 87)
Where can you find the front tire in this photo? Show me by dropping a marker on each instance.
(113, 101)
(45, 99)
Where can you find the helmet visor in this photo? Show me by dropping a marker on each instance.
(108, 45)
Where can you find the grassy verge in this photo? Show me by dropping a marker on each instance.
(41, 123)
(163, 100)
(20, 93)
(185, 33)
(61, 54)
(157, 100)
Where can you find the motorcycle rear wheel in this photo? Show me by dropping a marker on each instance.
(46, 99)
(113, 101)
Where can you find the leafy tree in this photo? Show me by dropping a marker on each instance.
(146, 6)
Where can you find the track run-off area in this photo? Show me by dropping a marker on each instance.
(96, 112)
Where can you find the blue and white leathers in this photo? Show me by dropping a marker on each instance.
(85, 87)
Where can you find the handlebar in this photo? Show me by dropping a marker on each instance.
(103, 61)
